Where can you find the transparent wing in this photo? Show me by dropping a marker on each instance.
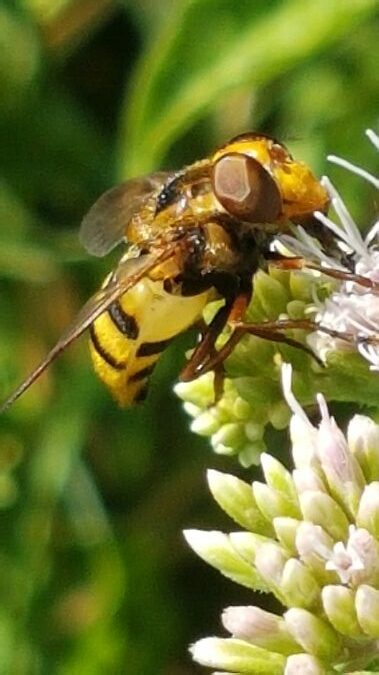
(103, 227)
(127, 274)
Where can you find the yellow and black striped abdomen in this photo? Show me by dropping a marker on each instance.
(128, 339)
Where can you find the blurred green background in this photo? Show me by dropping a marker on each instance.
(94, 574)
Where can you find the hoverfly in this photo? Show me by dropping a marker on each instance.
(193, 235)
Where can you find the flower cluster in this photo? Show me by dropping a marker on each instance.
(352, 308)
(252, 397)
(312, 540)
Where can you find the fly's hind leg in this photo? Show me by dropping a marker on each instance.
(270, 330)
(267, 331)
(206, 357)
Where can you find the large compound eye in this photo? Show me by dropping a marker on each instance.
(245, 189)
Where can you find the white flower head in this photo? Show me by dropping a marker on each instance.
(353, 309)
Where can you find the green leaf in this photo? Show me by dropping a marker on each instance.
(210, 48)
(20, 56)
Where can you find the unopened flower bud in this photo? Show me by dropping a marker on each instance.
(247, 544)
(205, 424)
(314, 635)
(285, 530)
(364, 549)
(269, 562)
(367, 606)
(250, 453)
(242, 410)
(271, 293)
(261, 628)
(315, 547)
(278, 477)
(237, 500)
(342, 472)
(321, 509)
(307, 479)
(368, 511)
(303, 664)
(273, 503)
(339, 606)
(279, 415)
(230, 435)
(254, 431)
(304, 442)
(199, 392)
(191, 409)
(238, 656)
(298, 585)
(363, 441)
(216, 549)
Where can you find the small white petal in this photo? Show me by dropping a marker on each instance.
(374, 138)
(336, 229)
(372, 233)
(357, 561)
(292, 402)
(354, 169)
(340, 562)
(303, 433)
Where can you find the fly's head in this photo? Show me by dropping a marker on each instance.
(256, 180)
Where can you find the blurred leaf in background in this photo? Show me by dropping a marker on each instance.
(94, 575)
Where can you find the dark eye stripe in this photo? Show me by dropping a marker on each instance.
(150, 348)
(142, 374)
(126, 323)
(98, 347)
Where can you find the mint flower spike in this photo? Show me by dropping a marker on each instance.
(312, 542)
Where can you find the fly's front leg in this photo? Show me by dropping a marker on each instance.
(299, 263)
(346, 276)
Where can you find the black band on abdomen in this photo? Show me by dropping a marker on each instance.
(142, 374)
(126, 323)
(150, 348)
(98, 347)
